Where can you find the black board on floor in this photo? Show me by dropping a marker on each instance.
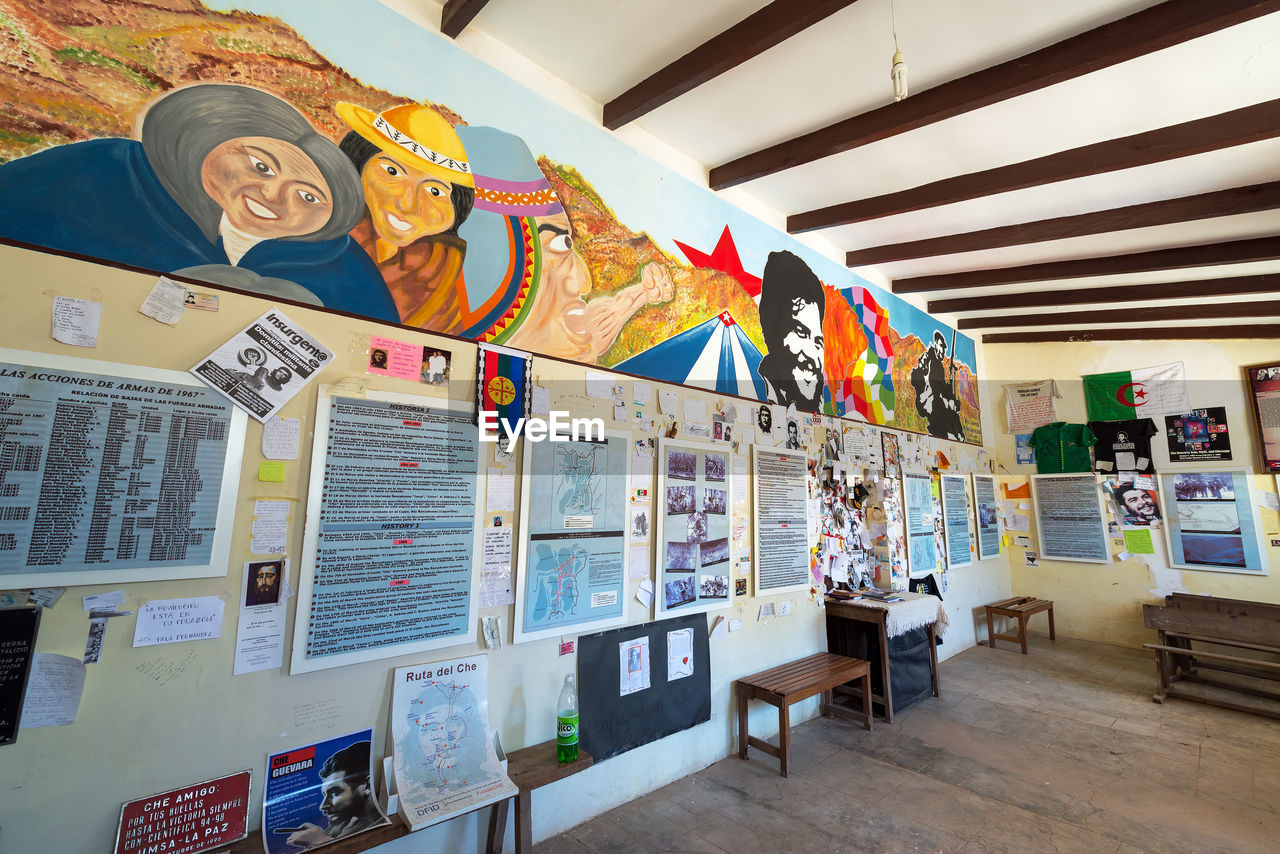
(17, 645)
(613, 724)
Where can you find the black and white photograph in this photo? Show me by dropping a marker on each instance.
(715, 551)
(835, 445)
(697, 525)
(714, 500)
(764, 419)
(1197, 486)
(714, 587)
(681, 499)
(682, 591)
(715, 467)
(682, 557)
(639, 522)
(682, 465)
(793, 435)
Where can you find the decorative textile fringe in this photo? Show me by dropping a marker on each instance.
(915, 610)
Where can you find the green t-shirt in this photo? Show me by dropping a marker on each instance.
(1062, 447)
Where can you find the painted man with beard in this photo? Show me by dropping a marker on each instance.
(791, 309)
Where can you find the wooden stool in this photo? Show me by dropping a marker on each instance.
(1020, 608)
(789, 683)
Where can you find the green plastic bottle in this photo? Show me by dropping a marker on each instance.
(567, 722)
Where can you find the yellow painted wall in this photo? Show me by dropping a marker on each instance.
(160, 717)
(1103, 602)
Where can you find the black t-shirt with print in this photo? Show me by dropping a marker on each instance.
(1118, 438)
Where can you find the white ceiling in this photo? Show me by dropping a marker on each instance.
(840, 68)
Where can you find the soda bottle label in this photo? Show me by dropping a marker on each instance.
(566, 730)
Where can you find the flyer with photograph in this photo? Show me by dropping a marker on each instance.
(320, 793)
(263, 366)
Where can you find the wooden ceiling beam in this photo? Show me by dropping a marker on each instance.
(1137, 333)
(1198, 311)
(1154, 28)
(1178, 258)
(1236, 127)
(1236, 200)
(750, 37)
(456, 14)
(1192, 289)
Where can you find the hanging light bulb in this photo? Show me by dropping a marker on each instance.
(898, 70)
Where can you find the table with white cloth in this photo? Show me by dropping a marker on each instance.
(898, 638)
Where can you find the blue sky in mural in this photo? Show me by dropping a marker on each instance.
(377, 45)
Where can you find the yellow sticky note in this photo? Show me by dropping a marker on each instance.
(1004, 540)
(271, 471)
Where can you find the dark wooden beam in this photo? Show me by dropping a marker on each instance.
(1237, 200)
(1155, 28)
(1237, 127)
(1179, 258)
(1199, 311)
(750, 37)
(1138, 333)
(1192, 289)
(457, 14)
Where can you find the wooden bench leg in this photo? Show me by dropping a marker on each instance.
(1162, 677)
(991, 630)
(1052, 636)
(1022, 632)
(497, 826)
(784, 735)
(824, 707)
(524, 822)
(743, 699)
(866, 698)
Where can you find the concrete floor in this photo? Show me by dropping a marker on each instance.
(1060, 750)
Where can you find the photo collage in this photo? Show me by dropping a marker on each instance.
(695, 532)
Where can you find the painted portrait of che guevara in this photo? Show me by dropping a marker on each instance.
(792, 305)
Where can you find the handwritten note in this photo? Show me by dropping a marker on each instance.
(53, 691)
(178, 620)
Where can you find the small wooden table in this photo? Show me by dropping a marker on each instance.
(530, 768)
(1020, 608)
(790, 683)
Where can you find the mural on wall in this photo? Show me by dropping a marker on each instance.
(223, 147)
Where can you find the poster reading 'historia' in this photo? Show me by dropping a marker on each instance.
(1069, 517)
(693, 527)
(1209, 521)
(572, 577)
(987, 514)
(955, 516)
(781, 521)
(922, 548)
(390, 531)
(112, 473)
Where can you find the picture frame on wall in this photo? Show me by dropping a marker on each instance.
(1071, 523)
(1263, 382)
(693, 546)
(986, 511)
(955, 520)
(1210, 521)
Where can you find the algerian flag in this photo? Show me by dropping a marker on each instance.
(1144, 393)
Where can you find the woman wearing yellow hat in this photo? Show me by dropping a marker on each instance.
(418, 189)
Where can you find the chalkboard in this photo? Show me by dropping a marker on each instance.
(613, 724)
(17, 645)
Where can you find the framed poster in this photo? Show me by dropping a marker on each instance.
(571, 567)
(693, 526)
(1070, 520)
(1210, 522)
(986, 512)
(115, 473)
(392, 525)
(1198, 436)
(780, 520)
(922, 548)
(955, 520)
(1263, 382)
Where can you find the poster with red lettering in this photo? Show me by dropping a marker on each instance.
(195, 818)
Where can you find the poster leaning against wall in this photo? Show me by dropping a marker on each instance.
(1210, 522)
(693, 545)
(571, 575)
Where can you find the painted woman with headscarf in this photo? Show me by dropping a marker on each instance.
(418, 190)
(229, 184)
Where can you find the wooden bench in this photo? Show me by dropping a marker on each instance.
(790, 683)
(1253, 626)
(1020, 608)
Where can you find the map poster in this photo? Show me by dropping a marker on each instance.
(693, 527)
(922, 548)
(112, 473)
(445, 761)
(1210, 522)
(781, 521)
(1069, 517)
(320, 793)
(391, 531)
(955, 515)
(198, 817)
(986, 508)
(1198, 436)
(572, 576)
